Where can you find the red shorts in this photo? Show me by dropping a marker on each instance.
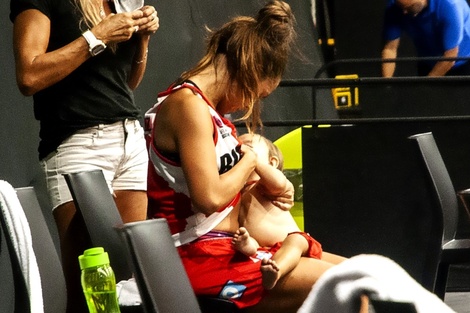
(314, 247)
(216, 269)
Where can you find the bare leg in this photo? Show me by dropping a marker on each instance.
(285, 259)
(332, 258)
(132, 205)
(244, 243)
(73, 241)
(270, 273)
(292, 288)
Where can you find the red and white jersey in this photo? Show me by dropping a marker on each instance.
(167, 187)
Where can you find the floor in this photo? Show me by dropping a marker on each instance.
(458, 301)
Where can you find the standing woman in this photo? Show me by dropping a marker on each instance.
(81, 61)
(198, 167)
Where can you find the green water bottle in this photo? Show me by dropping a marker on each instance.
(98, 281)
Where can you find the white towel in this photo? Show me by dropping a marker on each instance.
(339, 288)
(20, 234)
(128, 293)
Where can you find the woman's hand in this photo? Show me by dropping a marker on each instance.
(144, 27)
(116, 28)
(149, 23)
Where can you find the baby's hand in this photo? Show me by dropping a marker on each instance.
(284, 201)
(248, 152)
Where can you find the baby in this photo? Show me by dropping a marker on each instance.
(267, 223)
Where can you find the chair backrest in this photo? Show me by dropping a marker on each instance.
(445, 191)
(47, 256)
(94, 201)
(158, 269)
(54, 294)
(383, 306)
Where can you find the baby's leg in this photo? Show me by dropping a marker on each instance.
(243, 242)
(270, 273)
(285, 259)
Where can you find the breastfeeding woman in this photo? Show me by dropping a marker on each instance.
(198, 167)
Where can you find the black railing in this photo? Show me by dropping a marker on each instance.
(317, 82)
(328, 65)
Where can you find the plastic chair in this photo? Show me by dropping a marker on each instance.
(96, 204)
(47, 258)
(94, 201)
(159, 272)
(291, 148)
(453, 250)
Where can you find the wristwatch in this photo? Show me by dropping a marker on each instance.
(96, 45)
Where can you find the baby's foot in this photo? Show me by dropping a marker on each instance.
(270, 273)
(243, 242)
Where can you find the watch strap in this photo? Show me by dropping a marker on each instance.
(93, 42)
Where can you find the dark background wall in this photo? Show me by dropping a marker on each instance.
(175, 47)
(355, 26)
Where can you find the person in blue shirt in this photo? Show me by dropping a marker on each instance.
(438, 28)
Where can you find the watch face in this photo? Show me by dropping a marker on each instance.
(97, 49)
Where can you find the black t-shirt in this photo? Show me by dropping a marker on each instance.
(95, 93)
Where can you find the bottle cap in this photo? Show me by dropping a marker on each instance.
(93, 257)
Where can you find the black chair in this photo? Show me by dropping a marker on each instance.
(47, 257)
(159, 272)
(96, 204)
(453, 250)
(383, 306)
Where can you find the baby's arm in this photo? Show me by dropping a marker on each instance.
(271, 179)
(275, 185)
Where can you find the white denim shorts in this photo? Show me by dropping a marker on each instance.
(118, 149)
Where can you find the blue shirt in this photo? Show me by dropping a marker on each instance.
(442, 25)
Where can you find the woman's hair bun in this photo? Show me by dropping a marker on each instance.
(276, 20)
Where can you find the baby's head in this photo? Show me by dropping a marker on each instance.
(264, 148)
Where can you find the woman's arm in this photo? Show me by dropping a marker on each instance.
(147, 29)
(37, 69)
(184, 126)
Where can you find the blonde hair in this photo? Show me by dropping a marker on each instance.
(91, 17)
(90, 13)
(255, 49)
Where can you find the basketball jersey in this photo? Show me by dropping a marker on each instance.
(167, 188)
